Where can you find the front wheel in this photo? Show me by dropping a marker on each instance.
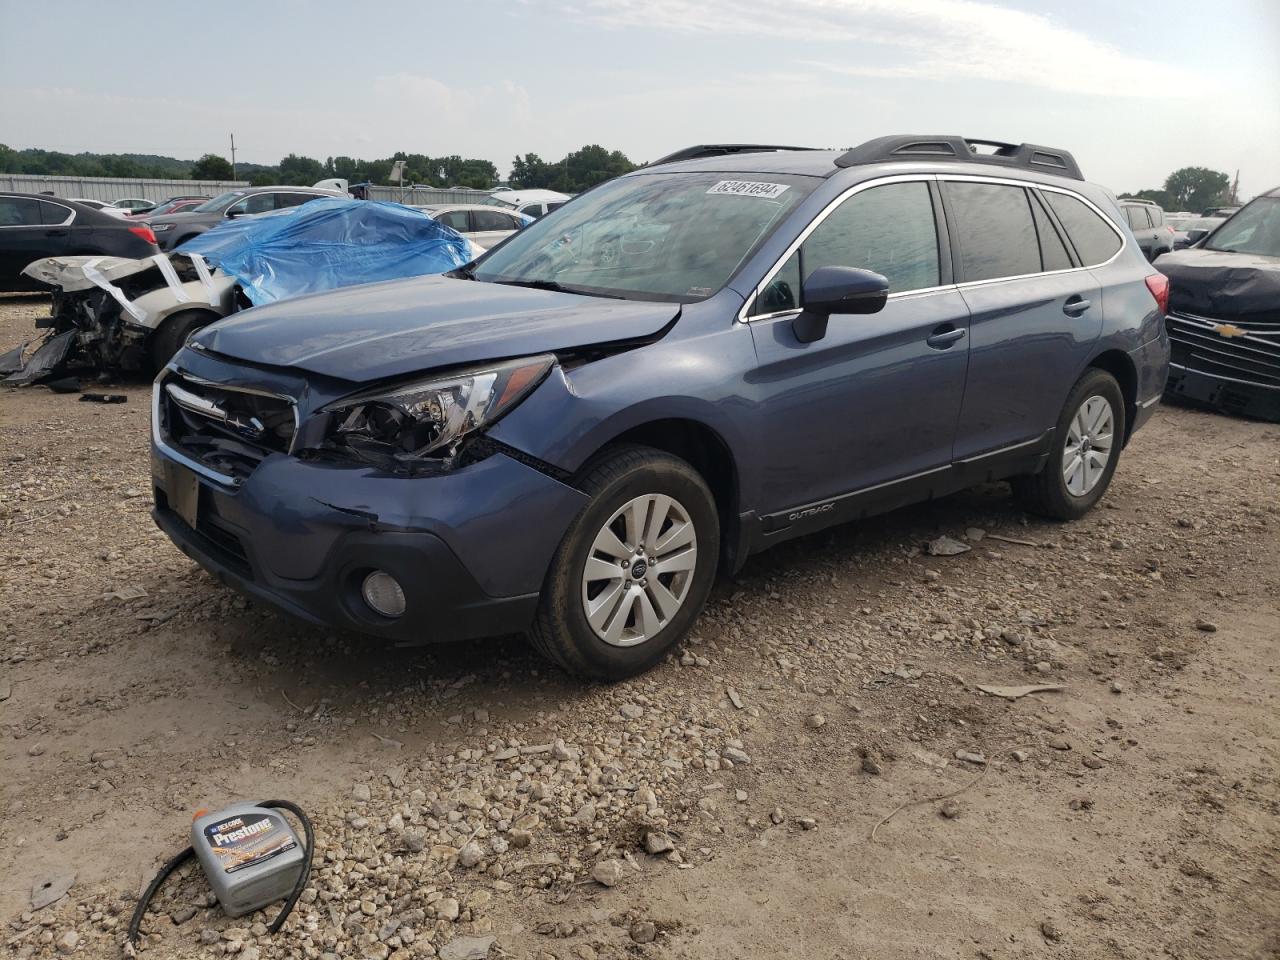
(634, 569)
(174, 333)
(1086, 448)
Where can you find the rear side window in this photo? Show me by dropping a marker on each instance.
(1053, 252)
(54, 213)
(1138, 218)
(492, 220)
(1156, 215)
(996, 233)
(19, 212)
(1094, 240)
(284, 200)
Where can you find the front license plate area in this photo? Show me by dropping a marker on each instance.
(184, 493)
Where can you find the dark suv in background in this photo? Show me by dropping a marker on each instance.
(1146, 219)
(681, 367)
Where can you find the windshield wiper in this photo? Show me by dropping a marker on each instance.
(557, 287)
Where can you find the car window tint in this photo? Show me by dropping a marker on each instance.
(491, 220)
(994, 229)
(258, 203)
(1156, 215)
(782, 293)
(293, 199)
(887, 229)
(53, 213)
(1094, 241)
(1053, 252)
(555, 205)
(455, 219)
(532, 210)
(1138, 218)
(19, 212)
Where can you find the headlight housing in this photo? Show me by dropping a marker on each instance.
(425, 419)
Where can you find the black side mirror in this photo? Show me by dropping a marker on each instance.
(831, 290)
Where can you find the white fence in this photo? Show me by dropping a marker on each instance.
(112, 188)
(108, 189)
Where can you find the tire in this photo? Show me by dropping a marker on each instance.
(1050, 493)
(627, 638)
(174, 333)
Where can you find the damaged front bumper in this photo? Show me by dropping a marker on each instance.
(1233, 367)
(469, 546)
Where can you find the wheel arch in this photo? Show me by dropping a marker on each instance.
(1120, 365)
(707, 452)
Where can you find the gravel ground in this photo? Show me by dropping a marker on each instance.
(776, 789)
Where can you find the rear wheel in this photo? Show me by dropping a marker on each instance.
(174, 334)
(1086, 448)
(634, 568)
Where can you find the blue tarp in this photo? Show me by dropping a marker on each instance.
(328, 243)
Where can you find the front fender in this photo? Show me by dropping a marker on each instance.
(579, 410)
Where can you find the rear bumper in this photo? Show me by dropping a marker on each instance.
(469, 548)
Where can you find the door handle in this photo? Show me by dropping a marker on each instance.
(945, 336)
(1075, 306)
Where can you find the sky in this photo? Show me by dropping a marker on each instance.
(1134, 90)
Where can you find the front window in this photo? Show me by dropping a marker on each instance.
(1255, 229)
(220, 202)
(675, 237)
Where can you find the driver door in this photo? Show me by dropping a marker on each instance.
(866, 415)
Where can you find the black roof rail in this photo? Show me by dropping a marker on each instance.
(1027, 156)
(719, 150)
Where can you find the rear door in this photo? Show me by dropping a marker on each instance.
(869, 410)
(1034, 315)
(66, 233)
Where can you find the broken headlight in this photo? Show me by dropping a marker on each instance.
(427, 418)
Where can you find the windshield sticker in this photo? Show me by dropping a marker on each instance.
(749, 188)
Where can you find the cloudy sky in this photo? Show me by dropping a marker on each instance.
(1134, 89)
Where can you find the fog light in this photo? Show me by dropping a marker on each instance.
(383, 594)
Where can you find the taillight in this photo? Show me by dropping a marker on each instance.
(144, 232)
(1158, 284)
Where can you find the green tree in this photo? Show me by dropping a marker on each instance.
(1195, 188)
(301, 171)
(211, 167)
(530, 172)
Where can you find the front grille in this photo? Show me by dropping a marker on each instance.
(1248, 351)
(228, 429)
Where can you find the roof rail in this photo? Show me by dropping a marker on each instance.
(719, 150)
(1028, 156)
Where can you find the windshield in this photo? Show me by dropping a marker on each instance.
(217, 203)
(674, 236)
(1255, 229)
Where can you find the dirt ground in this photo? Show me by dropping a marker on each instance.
(829, 694)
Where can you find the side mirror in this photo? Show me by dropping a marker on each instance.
(1195, 236)
(831, 290)
(233, 213)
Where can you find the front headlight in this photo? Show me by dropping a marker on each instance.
(408, 423)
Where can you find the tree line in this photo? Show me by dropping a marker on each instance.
(576, 172)
(1191, 189)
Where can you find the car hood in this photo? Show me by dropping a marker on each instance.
(380, 330)
(1218, 283)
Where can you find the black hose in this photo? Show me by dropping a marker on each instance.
(310, 849)
(180, 858)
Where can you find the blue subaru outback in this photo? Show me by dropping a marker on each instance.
(684, 366)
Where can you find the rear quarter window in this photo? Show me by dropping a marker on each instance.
(1094, 240)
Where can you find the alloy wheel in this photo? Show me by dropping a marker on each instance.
(1090, 438)
(639, 570)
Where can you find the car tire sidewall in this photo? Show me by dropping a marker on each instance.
(1096, 383)
(663, 475)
